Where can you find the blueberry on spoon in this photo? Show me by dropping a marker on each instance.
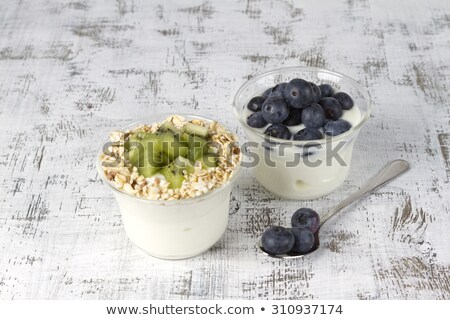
(277, 240)
(303, 240)
(306, 218)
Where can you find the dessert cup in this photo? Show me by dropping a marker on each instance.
(300, 170)
(173, 229)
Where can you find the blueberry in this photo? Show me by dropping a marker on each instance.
(266, 93)
(278, 90)
(299, 93)
(275, 110)
(316, 92)
(306, 218)
(303, 240)
(344, 99)
(334, 128)
(326, 90)
(313, 116)
(278, 130)
(294, 118)
(332, 108)
(277, 240)
(256, 120)
(255, 103)
(308, 134)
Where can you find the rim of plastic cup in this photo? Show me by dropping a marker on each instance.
(165, 202)
(364, 92)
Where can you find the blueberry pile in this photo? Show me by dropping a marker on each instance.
(299, 239)
(296, 102)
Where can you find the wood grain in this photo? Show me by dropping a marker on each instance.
(71, 71)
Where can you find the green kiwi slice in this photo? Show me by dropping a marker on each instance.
(167, 126)
(172, 146)
(174, 175)
(146, 153)
(170, 151)
(184, 163)
(184, 137)
(197, 146)
(196, 130)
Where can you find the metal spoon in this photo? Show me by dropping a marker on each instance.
(389, 172)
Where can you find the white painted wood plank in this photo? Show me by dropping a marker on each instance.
(70, 72)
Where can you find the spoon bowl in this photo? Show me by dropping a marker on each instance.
(291, 255)
(388, 173)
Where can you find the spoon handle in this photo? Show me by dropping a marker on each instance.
(389, 172)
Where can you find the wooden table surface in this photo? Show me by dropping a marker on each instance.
(72, 71)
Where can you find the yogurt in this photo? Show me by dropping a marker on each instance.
(295, 172)
(175, 229)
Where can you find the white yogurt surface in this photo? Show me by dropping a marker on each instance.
(151, 179)
(295, 176)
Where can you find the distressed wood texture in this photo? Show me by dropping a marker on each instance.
(70, 72)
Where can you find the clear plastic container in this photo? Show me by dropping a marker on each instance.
(299, 169)
(174, 229)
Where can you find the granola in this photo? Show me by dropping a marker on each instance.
(125, 177)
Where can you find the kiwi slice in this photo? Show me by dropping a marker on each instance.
(135, 148)
(184, 163)
(145, 152)
(154, 152)
(197, 146)
(196, 130)
(172, 146)
(174, 175)
(169, 127)
(184, 137)
(133, 151)
(174, 171)
(148, 169)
